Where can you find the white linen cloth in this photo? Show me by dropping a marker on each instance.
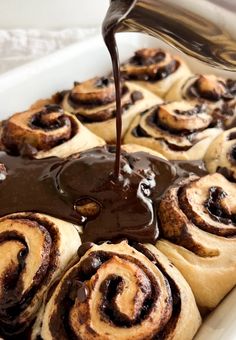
(19, 46)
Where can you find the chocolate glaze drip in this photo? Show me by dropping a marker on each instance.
(83, 191)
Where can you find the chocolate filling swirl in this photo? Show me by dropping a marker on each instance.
(211, 88)
(115, 292)
(38, 129)
(149, 64)
(177, 126)
(218, 94)
(206, 203)
(94, 100)
(28, 247)
(93, 92)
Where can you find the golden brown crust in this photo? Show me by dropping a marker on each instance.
(197, 215)
(42, 129)
(118, 292)
(178, 130)
(94, 91)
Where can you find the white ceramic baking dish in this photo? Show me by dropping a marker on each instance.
(21, 87)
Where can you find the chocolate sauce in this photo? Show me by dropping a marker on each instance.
(84, 248)
(74, 188)
(109, 38)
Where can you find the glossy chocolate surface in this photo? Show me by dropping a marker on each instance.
(83, 191)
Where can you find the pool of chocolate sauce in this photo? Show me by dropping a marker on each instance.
(125, 208)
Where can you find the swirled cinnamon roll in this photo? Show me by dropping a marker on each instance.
(198, 218)
(217, 93)
(155, 69)
(221, 155)
(93, 103)
(33, 253)
(45, 132)
(118, 292)
(178, 130)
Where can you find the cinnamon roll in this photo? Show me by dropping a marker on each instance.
(221, 155)
(93, 103)
(45, 132)
(217, 93)
(197, 217)
(33, 253)
(118, 292)
(155, 69)
(178, 130)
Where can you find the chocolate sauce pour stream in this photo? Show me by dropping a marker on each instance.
(110, 41)
(182, 24)
(109, 28)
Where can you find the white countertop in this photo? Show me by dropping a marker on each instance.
(31, 29)
(51, 14)
(19, 46)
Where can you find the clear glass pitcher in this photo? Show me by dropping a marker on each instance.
(203, 29)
